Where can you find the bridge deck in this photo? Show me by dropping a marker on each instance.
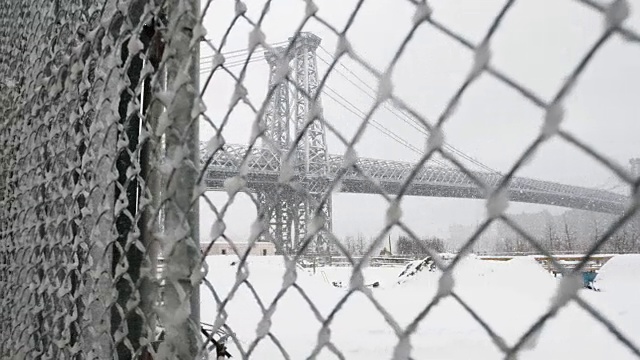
(371, 175)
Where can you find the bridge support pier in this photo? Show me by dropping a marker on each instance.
(287, 215)
(278, 214)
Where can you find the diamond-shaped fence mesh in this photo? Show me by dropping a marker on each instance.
(109, 148)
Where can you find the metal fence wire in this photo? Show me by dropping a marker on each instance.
(103, 170)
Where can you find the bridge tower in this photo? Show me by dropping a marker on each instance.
(289, 211)
(276, 117)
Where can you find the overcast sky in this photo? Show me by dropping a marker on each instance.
(538, 44)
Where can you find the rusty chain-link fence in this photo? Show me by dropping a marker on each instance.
(104, 169)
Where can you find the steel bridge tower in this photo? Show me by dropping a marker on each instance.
(292, 123)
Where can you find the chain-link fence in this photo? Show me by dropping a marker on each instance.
(104, 169)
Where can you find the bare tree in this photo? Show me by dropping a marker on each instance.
(568, 235)
(356, 246)
(596, 232)
(634, 226)
(405, 245)
(617, 242)
(361, 244)
(434, 244)
(350, 244)
(627, 239)
(507, 245)
(552, 237)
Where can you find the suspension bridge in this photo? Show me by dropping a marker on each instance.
(295, 104)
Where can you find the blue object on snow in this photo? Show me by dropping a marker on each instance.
(588, 277)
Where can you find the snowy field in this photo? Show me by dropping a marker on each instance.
(510, 296)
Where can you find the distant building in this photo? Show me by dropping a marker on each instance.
(222, 247)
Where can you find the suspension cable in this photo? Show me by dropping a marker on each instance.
(340, 100)
(237, 60)
(399, 114)
(235, 54)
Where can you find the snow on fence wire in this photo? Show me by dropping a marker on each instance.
(102, 172)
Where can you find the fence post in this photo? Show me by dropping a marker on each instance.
(181, 248)
(150, 156)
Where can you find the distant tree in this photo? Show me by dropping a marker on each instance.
(623, 241)
(506, 245)
(361, 244)
(405, 245)
(515, 244)
(634, 226)
(350, 245)
(409, 246)
(569, 244)
(356, 246)
(521, 245)
(596, 232)
(435, 244)
(552, 237)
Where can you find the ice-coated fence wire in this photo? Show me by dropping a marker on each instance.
(97, 141)
(102, 171)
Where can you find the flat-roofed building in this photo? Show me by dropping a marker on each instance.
(222, 247)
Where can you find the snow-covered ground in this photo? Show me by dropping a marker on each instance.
(508, 295)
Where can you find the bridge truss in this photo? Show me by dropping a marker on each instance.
(286, 225)
(294, 147)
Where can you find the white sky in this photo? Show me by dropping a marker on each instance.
(538, 44)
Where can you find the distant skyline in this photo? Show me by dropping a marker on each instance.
(537, 44)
